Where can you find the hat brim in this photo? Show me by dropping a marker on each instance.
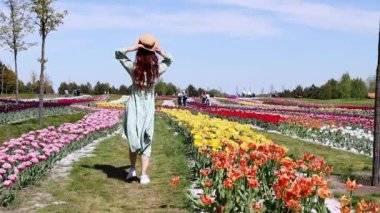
(151, 49)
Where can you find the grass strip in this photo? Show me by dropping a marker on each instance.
(342, 161)
(97, 184)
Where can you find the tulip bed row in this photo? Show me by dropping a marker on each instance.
(321, 110)
(249, 174)
(24, 160)
(8, 105)
(292, 102)
(108, 105)
(343, 132)
(18, 116)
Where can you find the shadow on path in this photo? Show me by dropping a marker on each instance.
(119, 173)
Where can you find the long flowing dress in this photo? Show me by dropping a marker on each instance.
(139, 114)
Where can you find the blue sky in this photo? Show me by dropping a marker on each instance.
(222, 44)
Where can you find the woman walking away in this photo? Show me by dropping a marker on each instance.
(139, 115)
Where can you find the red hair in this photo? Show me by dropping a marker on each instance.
(146, 69)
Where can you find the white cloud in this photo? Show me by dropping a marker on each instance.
(225, 22)
(318, 15)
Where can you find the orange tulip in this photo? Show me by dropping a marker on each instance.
(318, 180)
(207, 200)
(324, 192)
(362, 206)
(293, 204)
(351, 185)
(208, 183)
(253, 183)
(257, 206)
(228, 183)
(345, 209)
(205, 172)
(175, 181)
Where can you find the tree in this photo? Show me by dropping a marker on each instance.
(325, 91)
(33, 85)
(358, 88)
(311, 92)
(47, 20)
(9, 80)
(171, 89)
(62, 87)
(85, 88)
(100, 88)
(14, 27)
(123, 89)
(160, 87)
(345, 86)
(72, 86)
(371, 83)
(192, 91)
(376, 142)
(2, 78)
(298, 92)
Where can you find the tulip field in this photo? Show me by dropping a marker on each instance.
(239, 170)
(231, 167)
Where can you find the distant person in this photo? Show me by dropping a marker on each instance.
(208, 99)
(203, 96)
(184, 98)
(179, 99)
(139, 116)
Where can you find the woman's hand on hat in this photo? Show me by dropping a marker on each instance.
(157, 49)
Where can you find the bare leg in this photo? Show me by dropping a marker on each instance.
(144, 164)
(132, 158)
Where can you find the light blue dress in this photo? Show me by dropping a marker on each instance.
(139, 114)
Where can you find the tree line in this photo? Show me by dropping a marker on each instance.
(345, 87)
(8, 82)
(161, 88)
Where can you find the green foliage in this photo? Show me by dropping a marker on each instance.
(62, 87)
(371, 82)
(163, 88)
(100, 88)
(298, 92)
(358, 88)
(311, 92)
(192, 91)
(345, 86)
(86, 88)
(123, 89)
(46, 16)
(330, 90)
(160, 87)
(9, 80)
(15, 26)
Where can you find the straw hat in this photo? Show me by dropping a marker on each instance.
(148, 41)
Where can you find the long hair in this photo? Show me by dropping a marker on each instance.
(146, 69)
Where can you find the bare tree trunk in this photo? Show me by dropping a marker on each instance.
(15, 59)
(2, 79)
(42, 84)
(376, 142)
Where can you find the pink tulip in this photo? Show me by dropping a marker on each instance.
(7, 184)
(7, 166)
